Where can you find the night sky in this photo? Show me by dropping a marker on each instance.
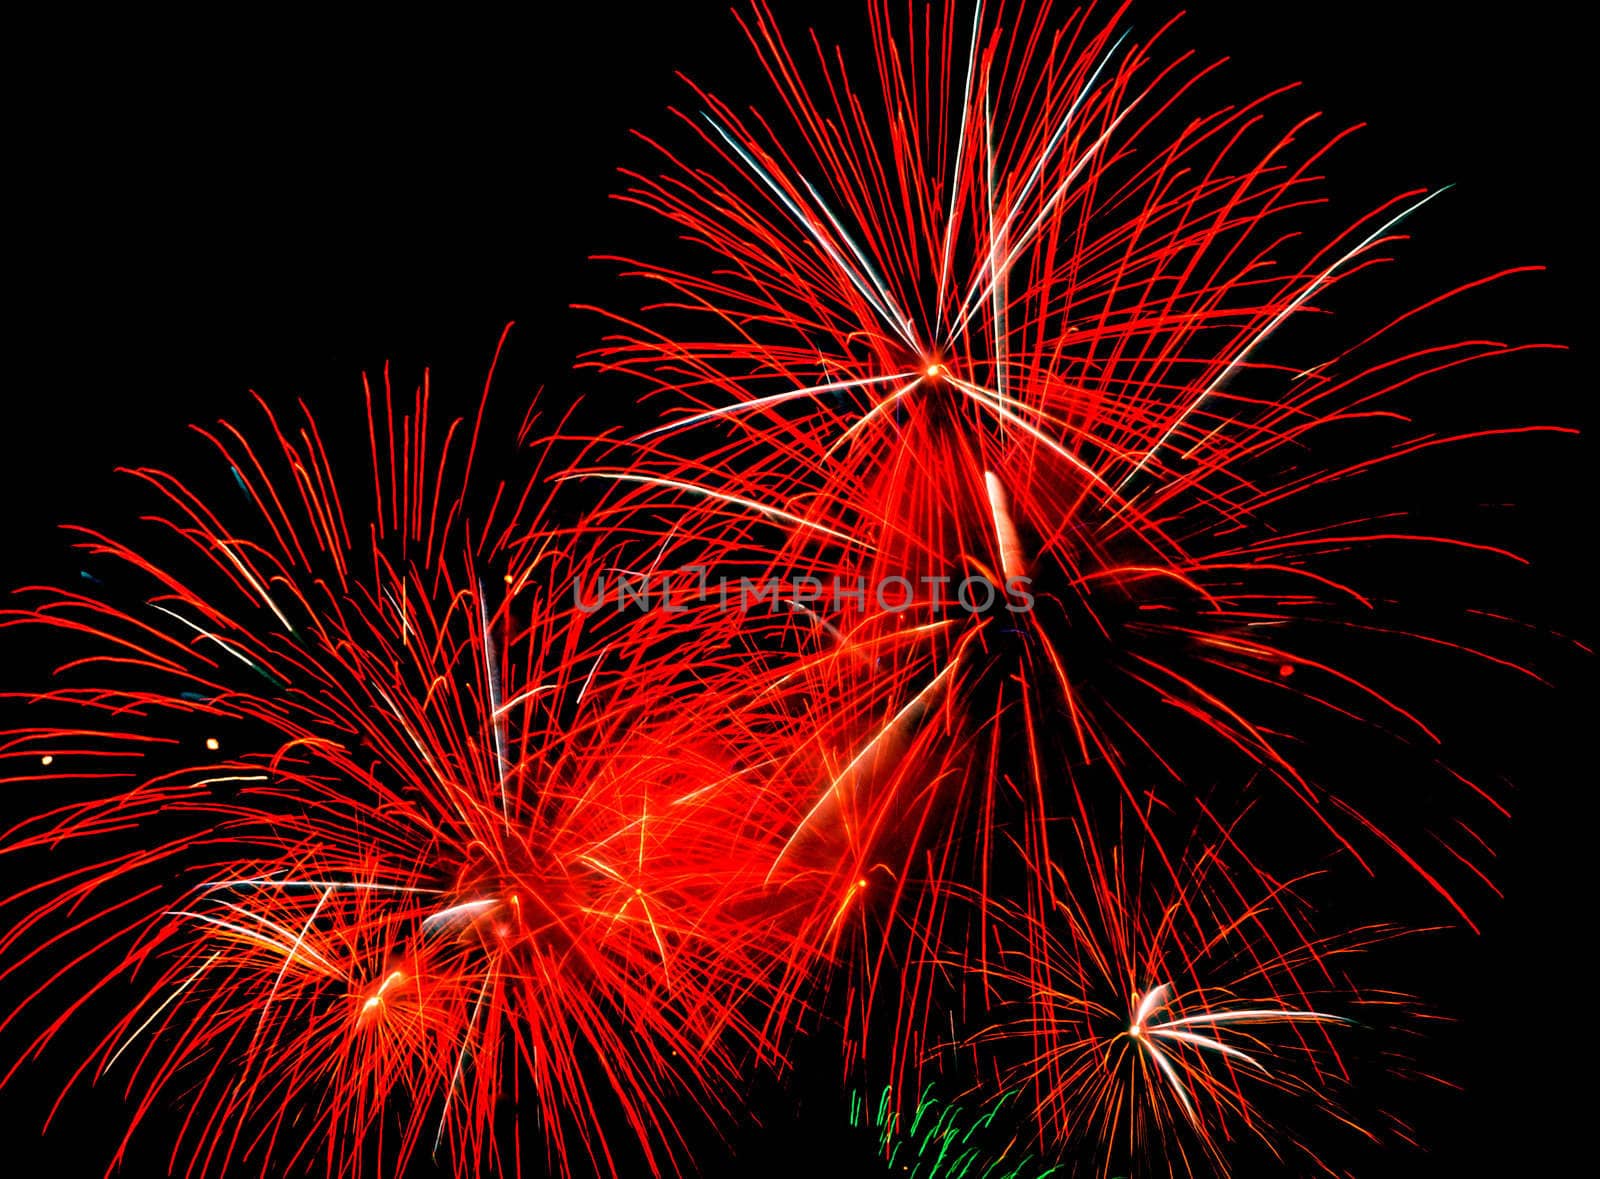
(205, 208)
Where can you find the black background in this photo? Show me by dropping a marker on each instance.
(208, 206)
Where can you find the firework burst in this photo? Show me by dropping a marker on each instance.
(994, 541)
(1162, 1020)
(998, 313)
(1001, 316)
(465, 858)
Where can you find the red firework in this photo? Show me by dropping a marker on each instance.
(1052, 374)
(470, 856)
(1002, 315)
(1153, 1022)
(1003, 385)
